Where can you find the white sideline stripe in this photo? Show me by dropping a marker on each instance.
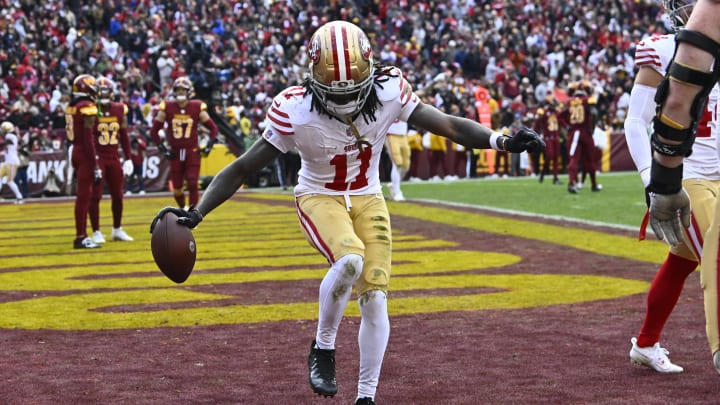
(529, 214)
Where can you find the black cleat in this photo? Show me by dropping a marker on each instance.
(364, 401)
(321, 364)
(572, 189)
(557, 182)
(541, 177)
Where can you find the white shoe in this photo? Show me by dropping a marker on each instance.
(142, 192)
(128, 192)
(654, 357)
(19, 202)
(98, 237)
(397, 196)
(716, 361)
(579, 185)
(86, 243)
(120, 234)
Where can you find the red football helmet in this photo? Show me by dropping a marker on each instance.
(183, 89)
(341, 67)
(105, 89)
(84, 86)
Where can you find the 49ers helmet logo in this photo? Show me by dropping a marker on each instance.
(314, 50)
(365, 48)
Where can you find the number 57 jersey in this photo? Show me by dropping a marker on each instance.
(333, 161)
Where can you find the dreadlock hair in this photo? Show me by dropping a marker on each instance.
(382, 74)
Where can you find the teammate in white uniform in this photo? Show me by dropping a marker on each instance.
(398, 149)
(701, 179)
(8, 168)
(338, 120)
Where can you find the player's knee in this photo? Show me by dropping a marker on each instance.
(349, 267)
(373, 306)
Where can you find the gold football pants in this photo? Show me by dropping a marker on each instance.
(339, 225)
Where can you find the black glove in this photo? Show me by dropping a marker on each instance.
(190, 218)
(169, 155)
(525, 139)
(208, 148)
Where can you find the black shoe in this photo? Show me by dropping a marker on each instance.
(541, 177)
(321, 364)
(557, 182)
(572, 190)
(365, 401)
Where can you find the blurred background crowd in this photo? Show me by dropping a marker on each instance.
(239, 54)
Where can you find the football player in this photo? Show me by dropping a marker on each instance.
(681, 99)
(110, 134)
(338, 120)
(80, 117)
(398, 148)
(547, 123)
(183, 114)
(8, 168)
(580, 115)
(701, 179)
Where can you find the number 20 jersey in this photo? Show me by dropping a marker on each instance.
(332, 163)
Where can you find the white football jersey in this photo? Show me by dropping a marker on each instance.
(656, 52)
(11, 149)
(398, 127)
(332, 163)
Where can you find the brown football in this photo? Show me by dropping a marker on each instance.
(173, 248)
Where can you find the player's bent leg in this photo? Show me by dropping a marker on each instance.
(335, 291)
(372, 340)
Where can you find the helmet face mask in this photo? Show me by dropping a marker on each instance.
(105, 89)
(678, 12)
(84, 86)
(341, 67)
(182, 89)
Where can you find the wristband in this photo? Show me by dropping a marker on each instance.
(495, 141)
(665, 180)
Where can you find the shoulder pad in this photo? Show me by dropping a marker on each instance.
(540, 111)
(592, 100)
(125, 109)
(161, 106)
(203, 106)
(288, 108)
(89, 110)
(394, 87)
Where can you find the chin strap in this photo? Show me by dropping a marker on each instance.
(360, 140)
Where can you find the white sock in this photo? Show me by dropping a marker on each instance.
(395, 179)
(372, 339)
(335, 291)
(13, 186)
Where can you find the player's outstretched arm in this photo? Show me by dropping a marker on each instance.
(472, 134)
(225, 184)
(230, 178)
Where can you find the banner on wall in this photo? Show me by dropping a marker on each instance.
(156, 171)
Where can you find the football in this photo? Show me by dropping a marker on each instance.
(173, 248)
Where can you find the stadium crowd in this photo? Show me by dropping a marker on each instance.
(239, 54)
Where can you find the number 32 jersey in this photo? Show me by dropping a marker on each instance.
(332, 162)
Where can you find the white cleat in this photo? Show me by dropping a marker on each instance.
(397, 196)
(121, 235)
(654, 357)
(98, 238)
